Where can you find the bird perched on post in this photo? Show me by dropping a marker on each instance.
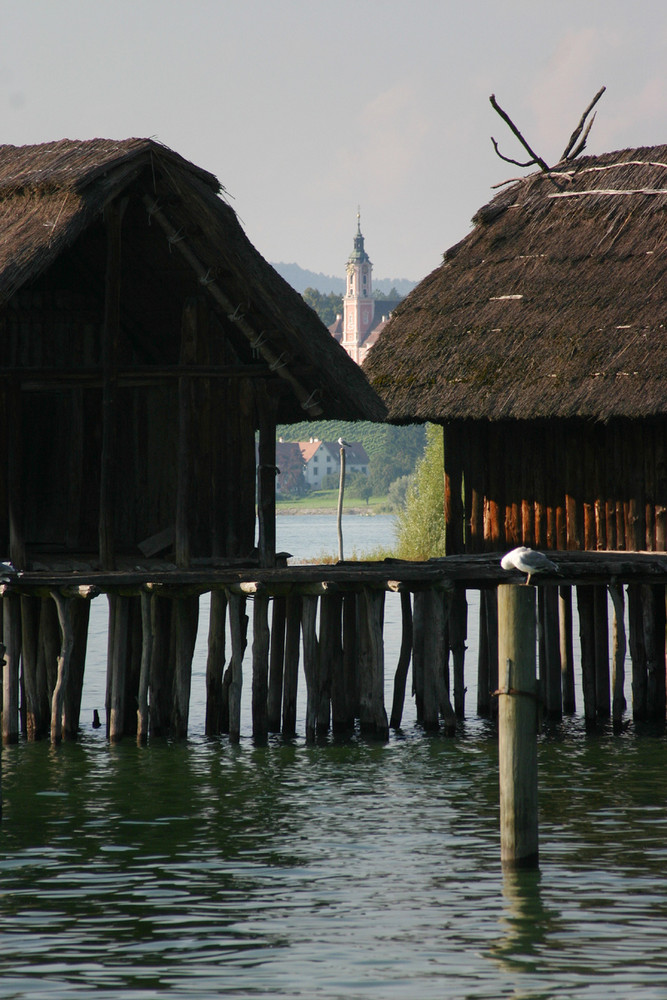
(528, 561)
(343, 444)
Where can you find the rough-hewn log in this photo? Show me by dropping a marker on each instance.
(238, 625)
(586, 609)
(291, 672)
(310, 664)
(145, 668)
(566, 645)
(119, 610)
(457, 633)
(637, 652)
(11, 633)
(260, 667)
(619, 644)
(601, 618)
(162, 666)
(63, 605)
(35, 725)
(550, 670)
(372, 715)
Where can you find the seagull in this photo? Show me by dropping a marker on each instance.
(528, 561)
(343, 444)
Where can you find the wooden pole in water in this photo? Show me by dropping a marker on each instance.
(276, 664)
(291, 669)
(260, 667)
(619, 645)
(144, 670)
(566, 648)
(215, 663)
(401, 675)
(11, 614)
(238, 625)
(339, 512)
(310, 663)
(64, 617)
(517, 727)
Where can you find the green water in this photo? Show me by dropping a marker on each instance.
(359, 871)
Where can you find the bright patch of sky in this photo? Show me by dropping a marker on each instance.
(305, 109)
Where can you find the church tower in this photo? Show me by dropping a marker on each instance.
(358, 303)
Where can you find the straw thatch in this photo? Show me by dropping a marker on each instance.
(552, 307)
(52, 199)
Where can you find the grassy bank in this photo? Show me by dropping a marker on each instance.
(326, 502)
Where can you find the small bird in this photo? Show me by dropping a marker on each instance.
(528, 561)
(343, 444)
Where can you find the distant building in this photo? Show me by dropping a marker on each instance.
(363, 316)
(316, 459)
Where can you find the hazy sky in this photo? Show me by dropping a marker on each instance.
(305, 109)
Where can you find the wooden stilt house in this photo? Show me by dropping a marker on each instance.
(540, 345)
(143, 344)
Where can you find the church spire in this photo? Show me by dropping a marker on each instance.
(358, 304)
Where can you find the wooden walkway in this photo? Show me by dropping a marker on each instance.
(331, 618)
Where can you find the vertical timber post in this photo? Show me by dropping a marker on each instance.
(517, 727)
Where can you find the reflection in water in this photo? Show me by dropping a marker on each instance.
(525, 924)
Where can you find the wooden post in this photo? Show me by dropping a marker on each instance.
(372, 715)
(291, 672)
(433, 659)
(310, 664)
(517, 727)
(637, 651)
(585, 607)
(30, 609)
(618, 704)
(117, 664)
(453, 500)
(215, 662)
(339, 512)
(483, 685)
(162, 671)
(186, 619)
(276, 664)
(260, 667)
(405, 653)
(64, 617)
(11, 631)
(80, 615)
(601, 618)
(552, 665)
(457, 632)
(491, 609)
(331, 663)
(566, 646)
(145, 668)
(654, 631)
(238, 624)
(418, 630)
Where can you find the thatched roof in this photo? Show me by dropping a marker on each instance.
(51, 194)
(555, 305)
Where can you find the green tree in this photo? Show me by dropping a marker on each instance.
(327, 307)
(420, 529)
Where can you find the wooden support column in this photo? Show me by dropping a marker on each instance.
(291, 672)
(404, 656)
(266, 474)
(618, 704)
(550, 670)
(80, 615)
(433, 658)
(35, 725)
(238, 624)
(586, 609)
(162, 666)
(418, 632)
(11, 634)
(350, 657)
(145, 668)
(276, 664)
(517, 727)
(372, 714)
(215, 663)
(457, 633)
(654, 644)
(119, 611)
(566, 645)
(637, 652)
(260, 667)
(310, 664)
(186, 620)
(332, 677)
(110, 338)
(63, 605)
(483, 685)
(601, 614)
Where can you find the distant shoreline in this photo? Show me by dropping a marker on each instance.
(330, 511)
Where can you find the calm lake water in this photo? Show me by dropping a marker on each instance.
(357, 871)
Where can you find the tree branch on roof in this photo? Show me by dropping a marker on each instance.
(570, 151)
(508, 121)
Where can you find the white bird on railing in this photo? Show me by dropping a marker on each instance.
(528, 561)
(343, 444)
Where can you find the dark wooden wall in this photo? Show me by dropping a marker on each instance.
(556, 485)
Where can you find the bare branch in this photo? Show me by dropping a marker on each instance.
(508, 159)
(508, 121)
(569, 152)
